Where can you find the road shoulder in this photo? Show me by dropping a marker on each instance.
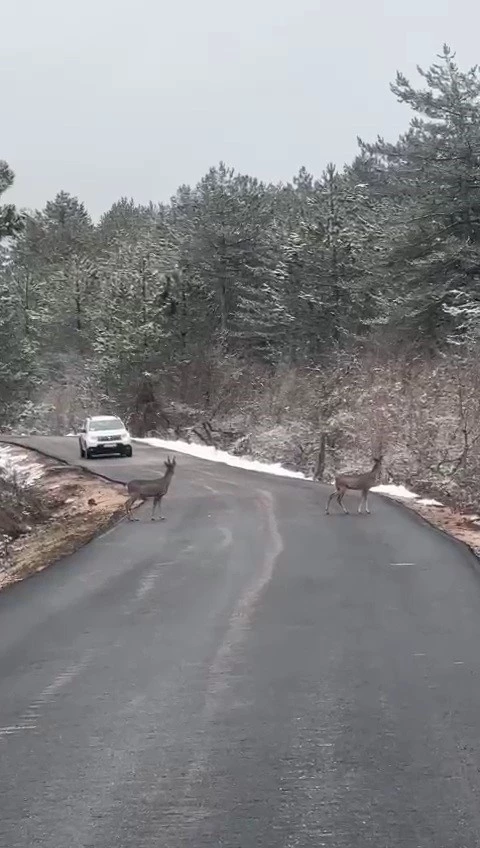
(459, 526)
(48, 510)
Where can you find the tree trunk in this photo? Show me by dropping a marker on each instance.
(320, 463)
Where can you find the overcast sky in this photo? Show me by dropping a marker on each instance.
(104, 98)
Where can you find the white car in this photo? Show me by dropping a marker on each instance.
(104, 434)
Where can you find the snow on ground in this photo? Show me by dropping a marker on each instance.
(403, 494)
(19, 465)
(214, 455)
(393, 491)
(428, 502)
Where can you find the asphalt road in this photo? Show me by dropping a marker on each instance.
(247, 674)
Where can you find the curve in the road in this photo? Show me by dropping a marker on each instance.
(247, 673)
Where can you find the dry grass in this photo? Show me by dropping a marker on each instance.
(77, 507)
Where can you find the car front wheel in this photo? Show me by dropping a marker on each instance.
(88, 453)
(127, 451)
(82, 452)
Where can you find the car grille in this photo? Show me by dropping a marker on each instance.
(109, 438)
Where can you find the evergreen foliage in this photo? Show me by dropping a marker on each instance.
(267, 273)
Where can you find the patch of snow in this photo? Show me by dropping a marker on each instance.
(19, 465)
(393, 491)
(71, 434)
(429, 502)
(402, 493)
(214, 455)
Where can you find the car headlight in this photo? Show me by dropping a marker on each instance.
(125, 437)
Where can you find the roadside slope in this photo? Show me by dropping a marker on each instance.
(48, 510)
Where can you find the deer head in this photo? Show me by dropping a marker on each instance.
(170, 464)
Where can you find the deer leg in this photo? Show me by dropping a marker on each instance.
(340, 495)
(329, 499)
(366, 503)
(128, 507)
(162, 517)
(157, 500)
(362, 501)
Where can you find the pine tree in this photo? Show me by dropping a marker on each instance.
(435, 170)
(18, 365)
(323, 265)
(224, 222)
(11, 221)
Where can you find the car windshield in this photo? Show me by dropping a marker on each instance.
(106, 424)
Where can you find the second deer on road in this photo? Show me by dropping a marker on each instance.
(362, 482)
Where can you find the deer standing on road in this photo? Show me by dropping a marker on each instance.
(142, 490)
(357, 482)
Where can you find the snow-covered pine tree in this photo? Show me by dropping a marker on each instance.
(434, 171)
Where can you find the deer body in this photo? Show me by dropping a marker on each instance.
(142, 490)
(357, 482)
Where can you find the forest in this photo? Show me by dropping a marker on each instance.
(340, 310)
